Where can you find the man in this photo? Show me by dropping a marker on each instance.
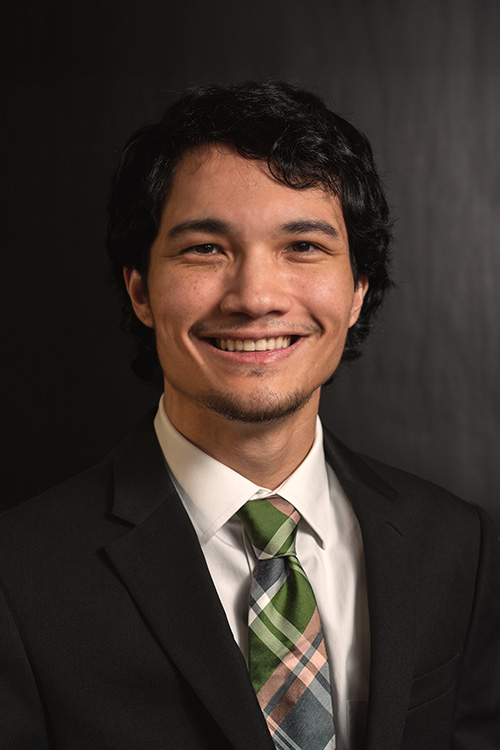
(232, 576)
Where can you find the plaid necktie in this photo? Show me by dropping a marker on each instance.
(286, 648)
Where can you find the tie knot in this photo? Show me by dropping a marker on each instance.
(271, 526)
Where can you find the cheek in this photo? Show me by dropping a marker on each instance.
(331, 301)
(180, 301)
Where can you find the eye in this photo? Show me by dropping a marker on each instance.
(206, 249)
(304, 247)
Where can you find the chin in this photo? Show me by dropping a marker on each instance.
(264, 407)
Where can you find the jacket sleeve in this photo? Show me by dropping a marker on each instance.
(477, 709)
(22, 724)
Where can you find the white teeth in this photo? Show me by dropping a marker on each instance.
(252, 345)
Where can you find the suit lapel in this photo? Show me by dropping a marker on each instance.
(391, 578)
(164, 569)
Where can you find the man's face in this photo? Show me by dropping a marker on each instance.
(249, 290)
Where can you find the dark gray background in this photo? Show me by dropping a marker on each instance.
(420, 78)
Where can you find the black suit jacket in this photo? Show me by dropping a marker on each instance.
(112, 635)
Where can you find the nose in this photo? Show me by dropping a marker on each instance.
(256, 287)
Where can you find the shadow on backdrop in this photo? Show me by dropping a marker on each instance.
(420, 78)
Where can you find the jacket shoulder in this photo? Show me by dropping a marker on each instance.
(62, 507)
(418, 498)
(86, 493)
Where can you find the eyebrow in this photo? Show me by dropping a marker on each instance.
(209, 225)
(302, 226)
(218, 226)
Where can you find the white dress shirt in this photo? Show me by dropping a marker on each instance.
(329, 547)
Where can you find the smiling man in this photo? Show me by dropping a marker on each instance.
(250, 292)
(233, 576)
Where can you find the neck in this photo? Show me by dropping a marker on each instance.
(264, 453)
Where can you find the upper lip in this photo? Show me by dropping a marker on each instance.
(252, 334)
(248, 336)
(205, 331)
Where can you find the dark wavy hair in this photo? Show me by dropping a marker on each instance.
(304, 145)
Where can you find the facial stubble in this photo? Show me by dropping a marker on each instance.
(263, 407)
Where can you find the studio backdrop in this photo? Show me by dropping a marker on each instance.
(420, 77)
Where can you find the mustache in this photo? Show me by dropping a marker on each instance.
(209, 330)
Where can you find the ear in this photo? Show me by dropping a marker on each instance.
(138, 296)
(357, 302)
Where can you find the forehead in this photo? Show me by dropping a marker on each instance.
(217, 181)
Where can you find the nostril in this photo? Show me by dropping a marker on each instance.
(255, 304)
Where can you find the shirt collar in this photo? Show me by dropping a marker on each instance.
(199, 478)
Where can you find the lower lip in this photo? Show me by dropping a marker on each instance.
(256, 357)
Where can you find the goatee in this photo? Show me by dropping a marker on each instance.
(264, 406)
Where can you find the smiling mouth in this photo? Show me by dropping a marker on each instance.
(254, 345)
